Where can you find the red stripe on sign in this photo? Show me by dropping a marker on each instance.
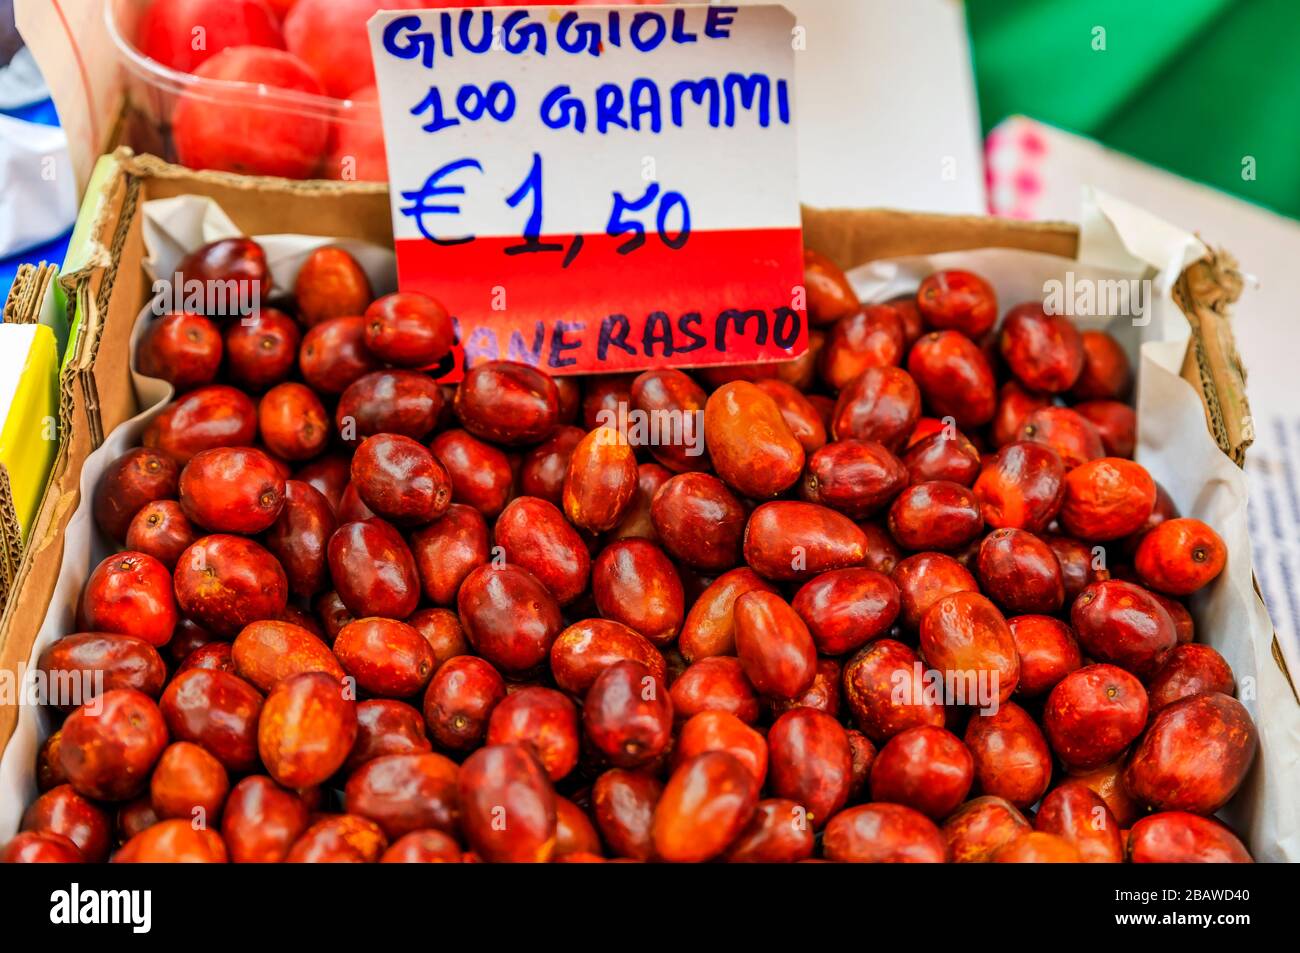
(725, 297)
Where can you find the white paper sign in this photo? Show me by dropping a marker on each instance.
(598, 188)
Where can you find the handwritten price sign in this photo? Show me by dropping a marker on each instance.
(597, 188)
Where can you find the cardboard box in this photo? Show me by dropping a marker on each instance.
(108, 288)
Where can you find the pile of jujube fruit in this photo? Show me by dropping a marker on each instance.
(362, 616)
(264, 68)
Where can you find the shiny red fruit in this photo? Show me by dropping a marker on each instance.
(883, 404)
(1176, 837)
(262, 348)
(1044, 351)
(1106, 371)
(505, 782)
(224, 582)
(1048, 652)
(107, 749)
(130, 593)
(1187, 670)
(1180, 556)
(232, 490)
(161, 530)
(508, 403)
(400, 480)
(883, 834)
(635, 583)
(924, 768)
(213, 416)
(886, 691)
(1012, 760)
(1093, 715)
(182, 349)
(628, 715)
(1194, 755)
(967, 638)
(510, 618)
(1072, 436)
(390, 401)
(935, 516)
(330, 284)
(1020, 572)
(333, 355)
(1120, 623)
(775, 647)
(293, 422)
(811, 762)
(1107, 499)
(481, 474)
(447, 550)
(373, 570)
(955, 378)
(707, 802)
(544, 720)
(408, 329)
(959, 300)
(846, 608)
(1022, 488)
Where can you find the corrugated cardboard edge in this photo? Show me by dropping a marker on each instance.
(148, 166)
(17, 293)
(11, 536)
(36, 568)
(1206, 291)
(17, 310)
(27, 293)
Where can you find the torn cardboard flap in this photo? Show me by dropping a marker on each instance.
(27, 293)
(1205, 292)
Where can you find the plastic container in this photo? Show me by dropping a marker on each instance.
(353, 148)
(321, 136)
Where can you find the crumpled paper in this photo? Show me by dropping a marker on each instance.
(38, 201)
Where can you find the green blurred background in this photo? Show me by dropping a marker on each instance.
(1192, 86)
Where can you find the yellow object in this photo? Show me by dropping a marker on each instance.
(29, 438)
